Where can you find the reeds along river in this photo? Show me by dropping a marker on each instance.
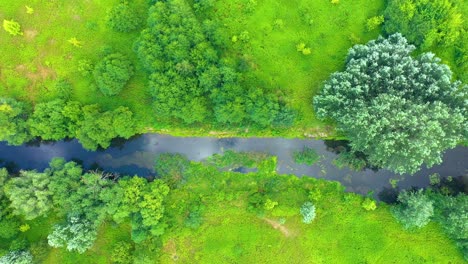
(136, 157)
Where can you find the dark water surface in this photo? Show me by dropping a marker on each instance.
(136, 156)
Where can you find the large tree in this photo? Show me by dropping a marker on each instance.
(398, 110)
(77, 234)
(29, 194)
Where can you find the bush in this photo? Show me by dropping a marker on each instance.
(12, 27)
(8, 228)
(369, 204)
(308, 212)
(123, 18)
(373, 22)
(121, 253)
(112, 73)
(17, 257)
(415, 209)
(307, 156)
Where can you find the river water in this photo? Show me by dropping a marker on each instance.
(136, 156)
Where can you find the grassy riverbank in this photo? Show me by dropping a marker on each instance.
(213, 214)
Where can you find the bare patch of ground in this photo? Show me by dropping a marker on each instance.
(284, 230)
(30, 34)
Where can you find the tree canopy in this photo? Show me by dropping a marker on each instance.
(112, 73)
(424, 22)
(13, 126)
(398, 110)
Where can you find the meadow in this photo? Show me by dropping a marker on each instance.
(31, 64)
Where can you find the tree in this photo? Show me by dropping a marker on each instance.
(17, 257)
(424, 23)
(112, 73)
(398, 110)
(308, 212)
(48, 122)
(415, 209)
(123, 18)
(76, 235)
(29, 194)
(12, 27)
(13, 126)
(98, 128)
(140, 201)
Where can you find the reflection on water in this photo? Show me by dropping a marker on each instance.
(136, 156)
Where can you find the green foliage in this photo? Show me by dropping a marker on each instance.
(13, 126)
(306, 156)
(398, 110)
(49, 122)
(112, 73)
(140, 201)
(232, 160)
(17, 257)
(121, 253)
(29, 194)
(369, 204)
(374, 22)
(123, 18)
(98, 128)
(452, 213)
(8, 228)
(76, 235)
(12, 27)
(424, 23)
(415, 209)
(188, 81)
(308, 212)
(171, 168)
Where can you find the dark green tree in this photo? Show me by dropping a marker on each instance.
(123, 17)
(112, 73)
(398, 110)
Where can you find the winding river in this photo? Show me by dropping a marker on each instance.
(136, 156)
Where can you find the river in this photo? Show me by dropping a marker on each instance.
(136, 156)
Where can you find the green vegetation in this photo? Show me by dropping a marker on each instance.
(399, 111)
(307, 156)
(112, 73)
(197, 212)
(415, 209)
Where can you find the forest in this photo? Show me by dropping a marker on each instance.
(388, 79)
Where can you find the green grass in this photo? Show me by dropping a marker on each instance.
(272, 54)
(32, 62)
(342, 232)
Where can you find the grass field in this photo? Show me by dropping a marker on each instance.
(275, 28)
(31, 63)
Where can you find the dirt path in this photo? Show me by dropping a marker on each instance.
(285, 231)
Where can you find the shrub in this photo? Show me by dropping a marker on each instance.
(373, 22)
(369, 204)
(8, 228)
(308, 212)
(112, 73)
(17, 257)
(12, 27)
(307, 156)
(121, 253)
(415, 209)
